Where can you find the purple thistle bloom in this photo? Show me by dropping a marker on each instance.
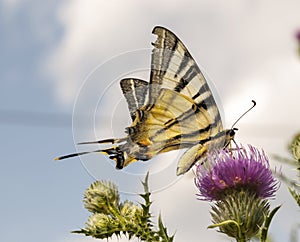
(298, 35)
(241, 169)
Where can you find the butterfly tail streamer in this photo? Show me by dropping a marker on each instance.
(76, 154)
(114, 152)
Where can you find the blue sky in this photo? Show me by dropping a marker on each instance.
(56, 57)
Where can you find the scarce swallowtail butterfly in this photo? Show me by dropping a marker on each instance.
(174, 110)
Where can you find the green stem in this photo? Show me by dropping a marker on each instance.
(241, 236)
(115, 212)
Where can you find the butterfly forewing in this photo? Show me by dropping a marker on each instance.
(173, 67)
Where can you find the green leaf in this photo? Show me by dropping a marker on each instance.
(163, 231)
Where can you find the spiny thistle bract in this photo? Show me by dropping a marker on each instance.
(112, 217)
(239, 183)
(243, 208)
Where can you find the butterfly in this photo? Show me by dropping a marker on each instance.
(174, 110)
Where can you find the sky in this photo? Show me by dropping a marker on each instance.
(61, 63)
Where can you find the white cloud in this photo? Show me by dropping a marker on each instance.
(274, 87)
(93, 33)
(232, 39)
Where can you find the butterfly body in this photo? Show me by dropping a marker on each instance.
(174, 110)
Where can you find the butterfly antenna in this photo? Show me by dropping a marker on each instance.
(253, 105)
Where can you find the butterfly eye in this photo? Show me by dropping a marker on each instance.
(232, 132)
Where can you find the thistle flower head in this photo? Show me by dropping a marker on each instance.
(295, 144)
(100, 196)
(239, 182)
(112, 217)
(238, 170)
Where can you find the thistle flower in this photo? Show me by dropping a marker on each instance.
(112, 217)
(238, 182)
(295, 144)
(297, 35)
(101, 197)
(240, 170)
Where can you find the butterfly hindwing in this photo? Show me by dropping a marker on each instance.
(135, 91)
